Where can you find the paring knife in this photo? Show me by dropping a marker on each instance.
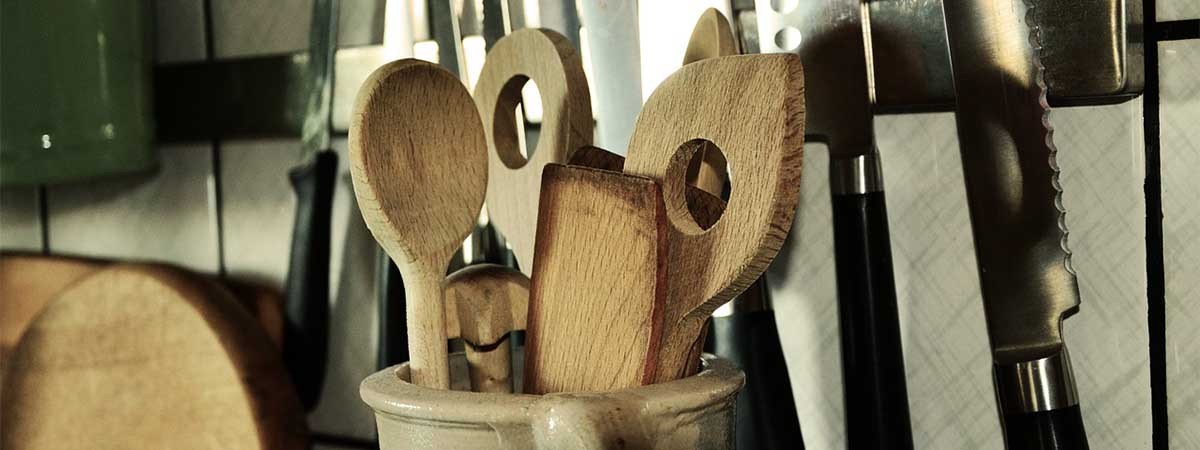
(831, 38)
(306, 330)
(1017, 218)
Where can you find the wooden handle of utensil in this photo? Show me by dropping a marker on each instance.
(306, 301)
(872, 361)
(424, 304)
(485, 302)
(1057, 429)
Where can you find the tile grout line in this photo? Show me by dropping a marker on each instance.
(1155, 264)
(215, 152)
(44, 218)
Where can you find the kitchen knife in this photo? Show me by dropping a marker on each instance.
(831, 37)
(306, 304)
(1017, 218)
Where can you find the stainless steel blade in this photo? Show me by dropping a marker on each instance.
(1011, 176)
(319, 74)
(829, 37)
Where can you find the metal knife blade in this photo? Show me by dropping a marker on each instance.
(1013, 192)
(829, 37)
(319, 73)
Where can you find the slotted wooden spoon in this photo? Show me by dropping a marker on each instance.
(752, 108)
(419, 163)
(514, 181)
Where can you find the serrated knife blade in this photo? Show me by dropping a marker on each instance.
(1017, 218)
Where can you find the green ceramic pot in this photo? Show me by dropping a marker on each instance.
(75, 90)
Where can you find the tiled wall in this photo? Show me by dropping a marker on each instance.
(172, 217)
(1180, 90)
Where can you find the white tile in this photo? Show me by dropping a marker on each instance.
(20, 219)
(258, 27)
(258, 206)
(1179, 63)
(943, 332)
(803, 290)
(179, 30)
(1177, 10)
(360, 22)
(166, 216)
(1101, 155)
(353, 333)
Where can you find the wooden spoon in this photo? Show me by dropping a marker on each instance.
(549, 60)
(752, 107)
(141, 356)
(419, 163)
(712, 37)
(485, 302)
(598, 286)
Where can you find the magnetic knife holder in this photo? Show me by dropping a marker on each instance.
(1092, 50)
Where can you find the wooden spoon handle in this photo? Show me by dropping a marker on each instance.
(425, 299)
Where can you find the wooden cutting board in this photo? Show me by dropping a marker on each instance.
(598, 283)
(142, 356)
(27, 283)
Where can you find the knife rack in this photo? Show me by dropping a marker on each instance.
(1092, 50)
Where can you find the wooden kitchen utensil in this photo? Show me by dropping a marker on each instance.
(549, 60)
(751, 107)
(27, 283)
(598, 283)
(418, 158)
(484, 302)
(141, 356)
(706, 208)
(712, 37)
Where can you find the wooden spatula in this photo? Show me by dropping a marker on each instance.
(485, 302)
(712, 37)
(549, 60)
(598, 282)
(419, 164)
(752, 108)
(138, 356)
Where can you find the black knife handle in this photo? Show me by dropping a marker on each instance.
(1056, 429)
(306, 301)
(872, 363)
(393, 318)
(766, 414)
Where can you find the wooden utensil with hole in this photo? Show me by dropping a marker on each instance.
(712, 37)
(549, 60)
(142, 356)
(485, 302)
(598, 282)
(418, 158)
(705, 208)
(752, 108)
